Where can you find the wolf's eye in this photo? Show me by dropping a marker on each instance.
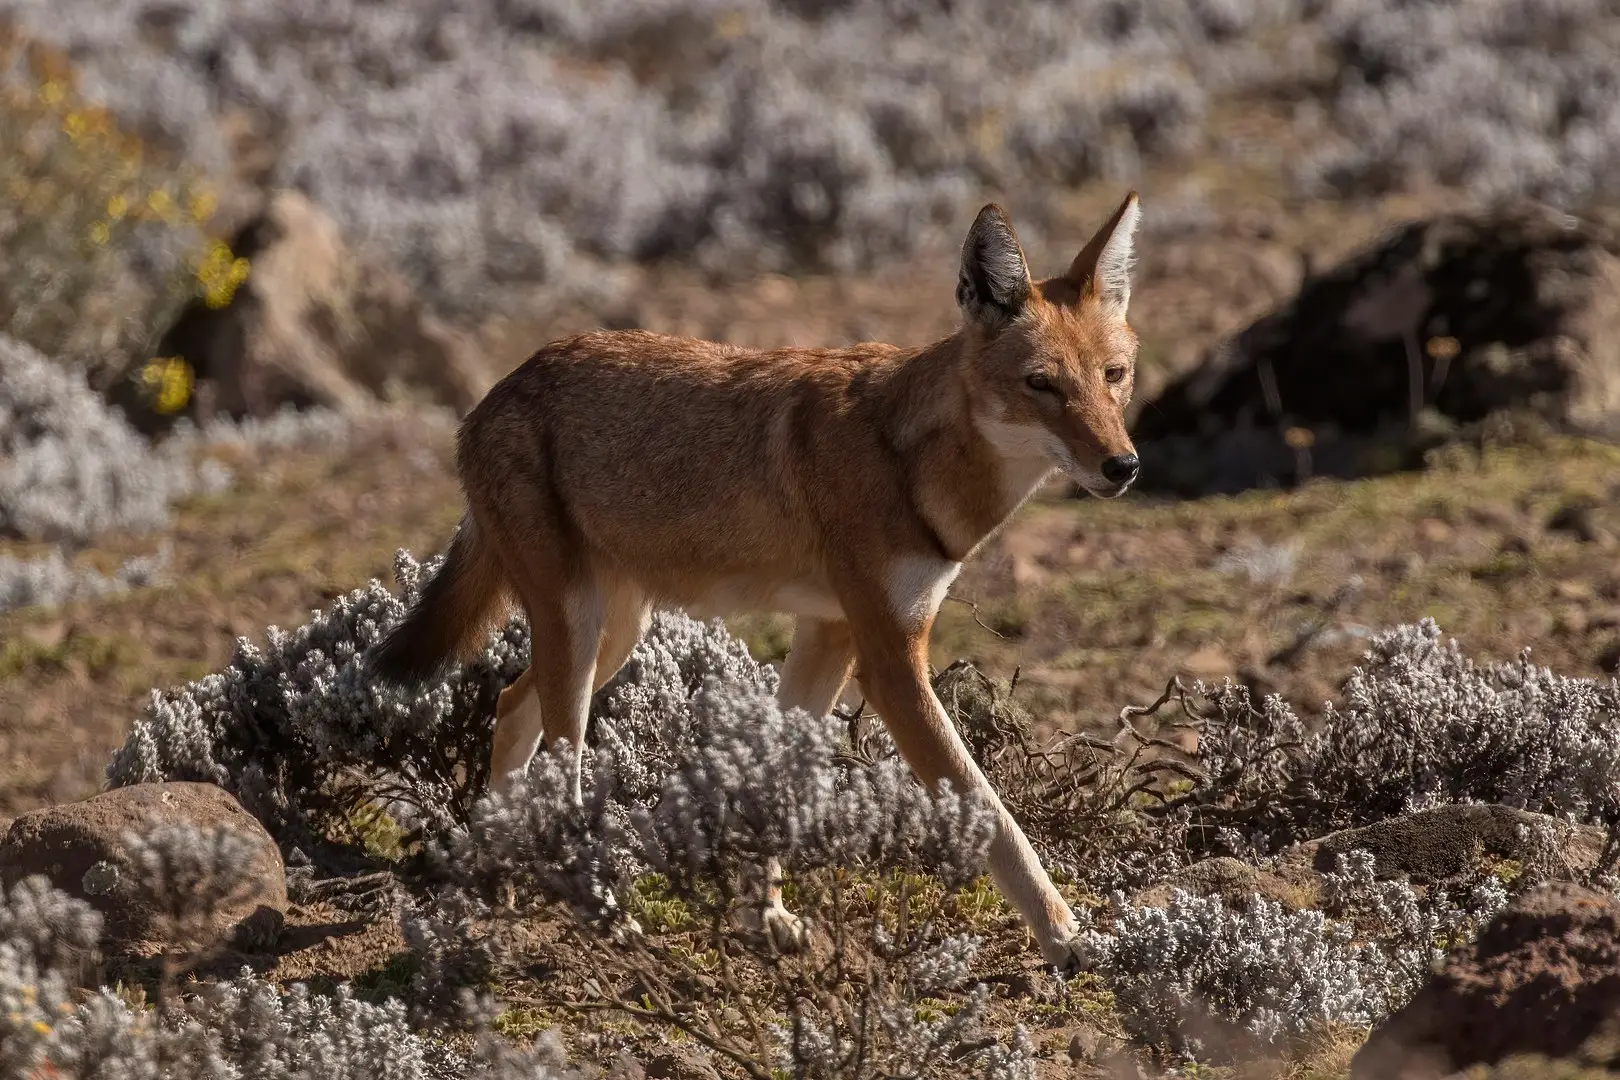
(1115, 373)
(1040, 383)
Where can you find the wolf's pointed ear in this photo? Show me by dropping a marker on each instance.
(994, 283)
(1103, 267)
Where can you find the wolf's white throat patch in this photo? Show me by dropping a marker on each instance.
(1028, 453)
(917, 586)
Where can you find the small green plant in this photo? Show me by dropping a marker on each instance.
(377, 832)
(655, 909)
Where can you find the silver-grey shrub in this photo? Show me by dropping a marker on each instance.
(1502, 97)
(339, 741)
(55, 1023)
(1264, 970)
(1420, 724)
(70, 466)
(493, 141)
(51, 580)
(750, 782)
(73, 468)
(1189, 975)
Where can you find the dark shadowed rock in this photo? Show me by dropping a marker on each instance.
(1543, 978)
(1511, 311)
(80, 847)
(1445, 842)
(1234, 881)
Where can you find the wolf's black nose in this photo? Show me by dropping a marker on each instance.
(1121, 469)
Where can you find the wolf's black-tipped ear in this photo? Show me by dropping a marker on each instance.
(994, 283)
(1103, 267)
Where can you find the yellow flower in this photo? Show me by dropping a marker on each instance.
(51, 92)
(170, 379)
(220, 274)
(162, 204)
(117, 206)
(100, 233)
(42, 1027)
(203, 204)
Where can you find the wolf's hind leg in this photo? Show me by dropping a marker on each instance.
(813, 677)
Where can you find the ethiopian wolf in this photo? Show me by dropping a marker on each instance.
(619, 471)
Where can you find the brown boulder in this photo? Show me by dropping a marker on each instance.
(83, 849)
(1446, 842)
(1511, 311)
(1234, 881)
(1543, 978)
(316, 322)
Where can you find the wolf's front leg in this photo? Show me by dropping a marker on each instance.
(891, 636)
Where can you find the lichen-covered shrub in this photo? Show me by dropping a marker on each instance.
(339, 740)
(72, 467)
(647, 716)
(712, 817)
(711, 811)
(342, 740)
(676, 736)
(1423, 724)
(1268, 971)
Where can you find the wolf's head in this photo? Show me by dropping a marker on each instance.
(1051, 363)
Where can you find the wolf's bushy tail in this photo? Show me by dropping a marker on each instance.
(453, 610)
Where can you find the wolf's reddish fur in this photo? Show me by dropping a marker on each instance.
(615, 472)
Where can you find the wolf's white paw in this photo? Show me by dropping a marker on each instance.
(625, 929)
(1070, 955)
(787, 931)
